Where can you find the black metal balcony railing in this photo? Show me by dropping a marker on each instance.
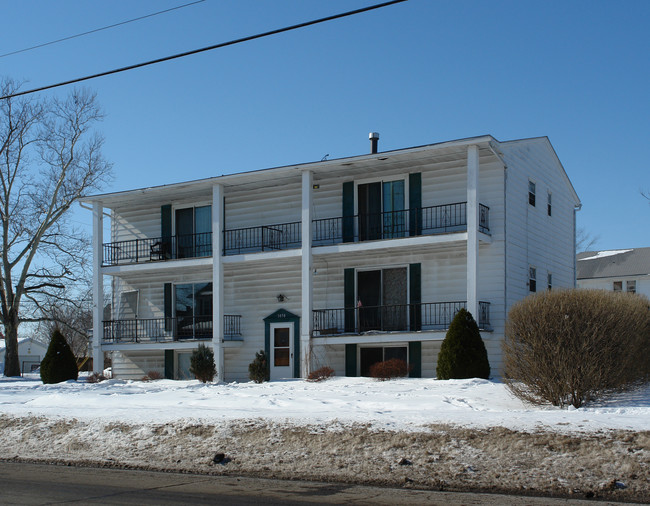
(362, 227)
(157, 330)
(158, 248)
(393, 318)
(390, 225)
(264, 238)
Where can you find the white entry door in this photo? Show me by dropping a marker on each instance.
(281, 350)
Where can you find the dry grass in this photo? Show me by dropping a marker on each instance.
(435, 457)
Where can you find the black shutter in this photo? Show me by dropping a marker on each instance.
(348, 299)
(415, 296)
(351, 360)
(167, 304)
(348, 212)
(415, 204)
(166, 230)
(415, 359)
(169, 364)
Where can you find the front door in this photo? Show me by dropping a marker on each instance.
(281, 351)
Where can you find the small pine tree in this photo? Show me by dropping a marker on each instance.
(59, 363)
(258, 369)
(202, 364)
(463, 353)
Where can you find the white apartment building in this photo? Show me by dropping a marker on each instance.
(340, 262)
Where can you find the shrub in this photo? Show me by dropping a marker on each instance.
(258, 369)
(96, 377)
(462, 353)
(202, 363)
(59, 363)
(152, 376)
(392, 368)
(574, 346)
(321, 374)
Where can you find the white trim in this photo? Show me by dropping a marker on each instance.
(307, 274)
(98, 286)
(272, 327)
(217, 279)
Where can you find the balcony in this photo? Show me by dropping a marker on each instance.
(431, 220)
(264, 238)
(158, 248)
(165, 330)
(428, 316)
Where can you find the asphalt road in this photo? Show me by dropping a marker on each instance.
(22, 483)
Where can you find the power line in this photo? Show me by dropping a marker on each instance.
(99, 29)
(208, 48)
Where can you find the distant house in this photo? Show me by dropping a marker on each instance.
(30, 354)
(624, 270)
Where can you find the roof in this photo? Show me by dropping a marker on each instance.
(20, 341)
(343, 167)
(614, 263)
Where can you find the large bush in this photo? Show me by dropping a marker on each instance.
(202, 364)
(59, 363)
(573, 346)
(463, 353)
(258, 369)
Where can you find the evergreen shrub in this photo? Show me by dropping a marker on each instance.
(59, 363)
(392, 368)
(568, 347)
(258, 369)
(463, 353)
(202, 363)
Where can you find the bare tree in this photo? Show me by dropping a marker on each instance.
(49, 158)
(584, 240)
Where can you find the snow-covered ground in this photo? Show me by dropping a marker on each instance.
(451, 435)
(404, 404)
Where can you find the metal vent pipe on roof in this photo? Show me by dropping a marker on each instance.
(374, 141)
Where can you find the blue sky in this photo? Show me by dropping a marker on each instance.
(418, 72)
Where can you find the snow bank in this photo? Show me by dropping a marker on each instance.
(400, 405)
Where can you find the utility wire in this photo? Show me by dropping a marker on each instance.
(209, 48)
(99, 29)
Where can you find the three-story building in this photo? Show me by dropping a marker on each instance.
(341, 262)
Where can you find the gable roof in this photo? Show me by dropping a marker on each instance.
(612, 263)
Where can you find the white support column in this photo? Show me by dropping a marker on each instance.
(217, 278)
(307, 275)
(98, 286)
(472, 230)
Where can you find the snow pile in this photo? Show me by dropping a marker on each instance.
(404, 404)
(603, 254)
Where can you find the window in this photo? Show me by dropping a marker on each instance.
(531, 193)
(548, 204)
(193, 309)
(631, 286)
(194, 232)
(532, 279)
(370, 356)
(381, 210)
(549, 281)
(382, 299)
(618, 286)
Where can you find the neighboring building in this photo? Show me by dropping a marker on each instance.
(30, 354)
(624, 270)
(396, 243)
